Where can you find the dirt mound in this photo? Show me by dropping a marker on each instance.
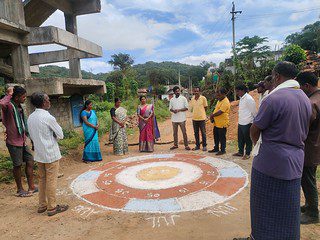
(232, 132)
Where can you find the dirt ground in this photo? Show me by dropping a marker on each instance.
(19, 219)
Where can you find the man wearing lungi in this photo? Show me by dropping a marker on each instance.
(283, 121)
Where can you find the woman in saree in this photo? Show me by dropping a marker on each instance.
(118, 134)
(89, 120)
(147, 125)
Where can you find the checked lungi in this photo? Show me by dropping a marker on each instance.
(275, 207)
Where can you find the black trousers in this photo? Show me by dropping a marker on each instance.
(200, 125)
(310, 191)
(220, 138)
(244, 139)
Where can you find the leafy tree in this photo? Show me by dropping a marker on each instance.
(111, 88)
(121, 61)
(308, 38)
(294, 53)
(251, 52)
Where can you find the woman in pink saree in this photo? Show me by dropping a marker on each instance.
(147, 125)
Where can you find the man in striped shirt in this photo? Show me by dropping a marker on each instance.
(45, 133)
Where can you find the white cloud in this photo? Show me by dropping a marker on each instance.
(212, 57)
(95, 66)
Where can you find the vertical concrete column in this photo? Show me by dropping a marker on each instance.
(20, 63)
(74, 63)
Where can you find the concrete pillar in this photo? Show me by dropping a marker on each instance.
(20, 63)
(74, 63)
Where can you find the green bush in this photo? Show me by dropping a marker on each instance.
(161, 110)
(72, 140)
(5, 168)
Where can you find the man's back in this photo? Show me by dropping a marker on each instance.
(284, 118)
(44, 132)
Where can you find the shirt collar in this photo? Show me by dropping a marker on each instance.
(244, 96)
(40, 110)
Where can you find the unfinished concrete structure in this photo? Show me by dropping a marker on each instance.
(20, 27)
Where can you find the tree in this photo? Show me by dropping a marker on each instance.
(251, 52)
(308, 38)
(294, 53)
(111, 88)
(121, 61)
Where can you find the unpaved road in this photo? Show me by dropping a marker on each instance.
(19, 219)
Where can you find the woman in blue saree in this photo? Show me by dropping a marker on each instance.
(89, 120)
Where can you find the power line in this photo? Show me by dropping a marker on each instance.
(278, 13)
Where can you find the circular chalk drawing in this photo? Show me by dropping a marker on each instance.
(161, 183)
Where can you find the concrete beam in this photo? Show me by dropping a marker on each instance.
(12, 26)
(49, 35)
(10, 37)
(5, 69)
(37, 12)
(57, 56)
(82, 7)
(65, 86)
(63, 5)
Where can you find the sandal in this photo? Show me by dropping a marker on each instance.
(58, 209)
(23, 193)
(173, 147)
(42, 209)
(35, 190)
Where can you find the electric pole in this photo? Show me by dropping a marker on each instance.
(234, 13)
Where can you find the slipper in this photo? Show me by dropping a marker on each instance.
(35, 190)
(42, 209)
(23, 193)
(58, 209)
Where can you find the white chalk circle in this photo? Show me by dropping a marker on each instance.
(188, 173)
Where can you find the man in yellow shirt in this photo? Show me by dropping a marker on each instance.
(198, 106)
(220, 116)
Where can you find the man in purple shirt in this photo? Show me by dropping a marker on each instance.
(16, 131)
(283, 121)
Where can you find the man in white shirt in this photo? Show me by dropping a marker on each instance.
(247, 111)
(262, 91)
(45, 133)
(178, 106)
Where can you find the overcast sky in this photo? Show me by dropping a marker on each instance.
(188, 31)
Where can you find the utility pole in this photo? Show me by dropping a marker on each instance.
(179, 80)
(234, 13)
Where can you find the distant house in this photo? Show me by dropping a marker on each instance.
(275, 55)
(169, 92)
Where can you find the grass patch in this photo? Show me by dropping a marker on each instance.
(5, 169)
(72, 140)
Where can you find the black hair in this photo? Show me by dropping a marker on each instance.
(116, 100)
(242, 87)
(196, 87)
(268, 78)
(18, 91)
(222, 91)
(37, 99)
(140, 98)
(307, 77)
(85, 105)
(286, 69)
(175, 88)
